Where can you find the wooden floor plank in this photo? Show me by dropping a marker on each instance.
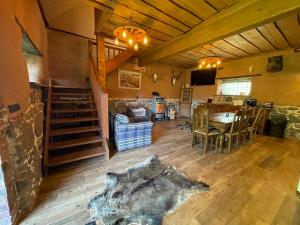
(254, 185)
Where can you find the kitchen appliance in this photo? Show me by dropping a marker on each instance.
(251, 102)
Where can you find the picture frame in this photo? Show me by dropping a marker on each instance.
(129, 79)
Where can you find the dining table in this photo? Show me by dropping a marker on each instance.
(222, 122)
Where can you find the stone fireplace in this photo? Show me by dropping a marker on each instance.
(159, 107)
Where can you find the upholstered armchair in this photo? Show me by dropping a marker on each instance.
(131, 135)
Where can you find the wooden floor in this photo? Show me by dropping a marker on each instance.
(255, 185)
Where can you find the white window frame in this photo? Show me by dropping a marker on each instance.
(220, 82)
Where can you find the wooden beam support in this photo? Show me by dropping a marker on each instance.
(115, 62)
(243, 16)
(101, 17)
(101, 60)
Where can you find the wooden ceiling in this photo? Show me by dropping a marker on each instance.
(279, 35)
(166, 20)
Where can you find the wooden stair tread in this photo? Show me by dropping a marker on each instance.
(72, 101)
(70, 94)
(73, 120)
(71, 87)
(76, 156)
(73, 130)
(74, 142)
(72, 110)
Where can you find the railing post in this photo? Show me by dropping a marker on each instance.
(47, 125)
(101, 60)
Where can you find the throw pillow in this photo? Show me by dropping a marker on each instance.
(122, 118)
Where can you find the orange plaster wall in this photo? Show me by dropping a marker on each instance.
(282, 88)
(14, 77)
(163, 85)
(68, 56)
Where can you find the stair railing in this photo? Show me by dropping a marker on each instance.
(47, 128)
(100, 98)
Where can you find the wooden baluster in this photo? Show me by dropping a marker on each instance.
(48, 117)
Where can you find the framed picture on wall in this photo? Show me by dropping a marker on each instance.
(129, 79)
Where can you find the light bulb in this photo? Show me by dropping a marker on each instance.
(203, 62)
(208, 65)
(214, 65)
(145, 40)
(116, 41)
(219, 62)
(136, 47)
(130, 41)
(124, 34)
(200, 66)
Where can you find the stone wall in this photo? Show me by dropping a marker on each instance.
(21, 153)
(293, 116)
(119, 105)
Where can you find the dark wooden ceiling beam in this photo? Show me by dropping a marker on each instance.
(211, 5)
(250, 42)
(237, 47)
(165, 13)
(187, 10)
(144, 26)
(222, 50)
(282, 34)
(101, 17)
(149, 16)
(213, 53)
(243, 16)
(261, 34)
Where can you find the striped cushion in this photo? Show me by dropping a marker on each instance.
(138, 112)
(122, 118)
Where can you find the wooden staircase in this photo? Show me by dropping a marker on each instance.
(73, 129)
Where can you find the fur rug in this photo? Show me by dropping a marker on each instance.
(142, 195)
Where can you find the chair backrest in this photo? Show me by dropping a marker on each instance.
(257, 119)
(212, 108)
(245, 119)
(235, 126)
(200, 118)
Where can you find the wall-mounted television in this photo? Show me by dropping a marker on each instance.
(203, 77)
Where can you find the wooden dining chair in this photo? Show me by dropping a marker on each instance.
(234, 130)
(201, 127)
(253, 128)
(244, 124)
(254, 112)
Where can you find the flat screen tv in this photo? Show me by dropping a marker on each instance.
(203, 77)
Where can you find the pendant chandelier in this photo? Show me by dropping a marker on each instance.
(210, 62)
(131, 34)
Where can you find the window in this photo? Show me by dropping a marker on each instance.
(236, 86)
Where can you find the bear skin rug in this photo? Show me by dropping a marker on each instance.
(142, 194)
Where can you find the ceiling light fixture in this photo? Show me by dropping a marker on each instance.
(208, 62)
(132, 34)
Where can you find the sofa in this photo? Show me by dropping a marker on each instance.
(129, 135)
